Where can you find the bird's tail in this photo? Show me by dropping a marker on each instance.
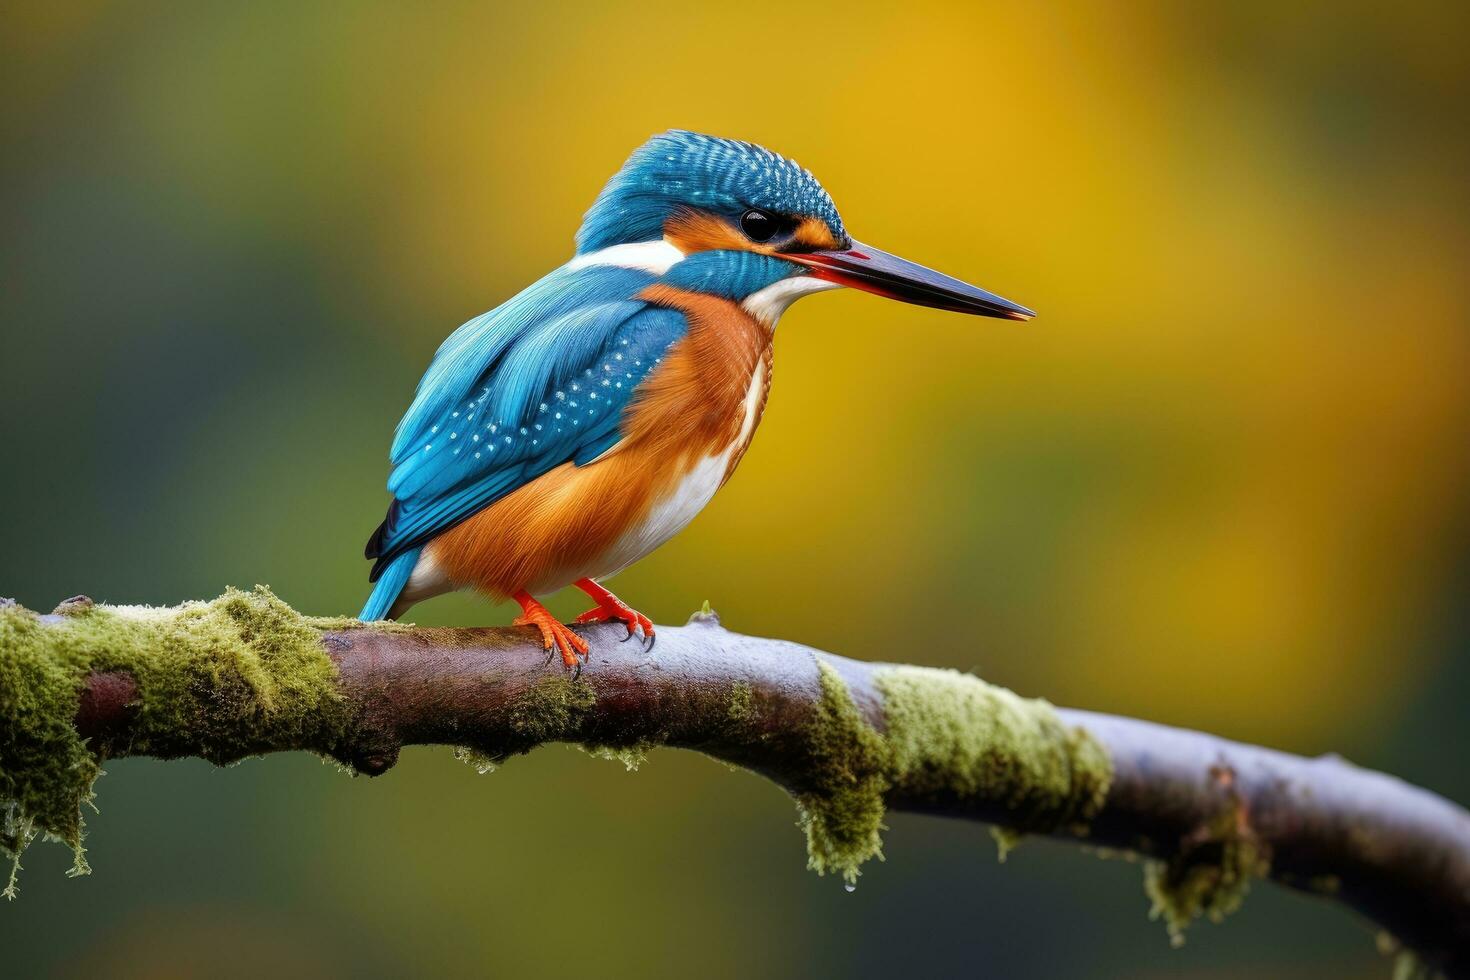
(389, 586)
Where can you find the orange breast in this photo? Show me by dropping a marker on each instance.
(701, 403)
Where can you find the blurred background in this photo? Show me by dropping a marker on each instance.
(1220, 482)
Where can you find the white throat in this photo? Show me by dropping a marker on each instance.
(767, 304)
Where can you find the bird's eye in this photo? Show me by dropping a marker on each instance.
(759, 226)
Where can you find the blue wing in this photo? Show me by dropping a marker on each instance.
(539, 381)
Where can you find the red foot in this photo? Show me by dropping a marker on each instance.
(611, 609)
(573, 648)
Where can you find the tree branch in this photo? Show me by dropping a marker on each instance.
(245, 674)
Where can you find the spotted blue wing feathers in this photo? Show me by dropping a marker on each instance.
(537, 382)
(470, 355)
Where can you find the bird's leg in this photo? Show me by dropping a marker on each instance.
(554, 634)
(611, 609)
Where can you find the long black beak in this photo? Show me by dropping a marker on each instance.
(875, 271)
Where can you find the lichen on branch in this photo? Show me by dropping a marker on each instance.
(842, 811)
(237, 676)
(1211, 872)
(949, 738)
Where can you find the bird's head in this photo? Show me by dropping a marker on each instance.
(733, 219)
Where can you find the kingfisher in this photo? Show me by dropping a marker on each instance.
(573, 429)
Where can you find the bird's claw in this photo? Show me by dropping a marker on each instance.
(557, 637)
(616, 611)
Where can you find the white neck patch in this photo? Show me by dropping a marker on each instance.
(661, 255)
(767, 304)
(657, 257)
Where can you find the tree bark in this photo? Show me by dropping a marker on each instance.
(1209, 812)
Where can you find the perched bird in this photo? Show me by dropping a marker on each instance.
(582, 423)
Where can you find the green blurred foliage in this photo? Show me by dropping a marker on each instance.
(1221, 481)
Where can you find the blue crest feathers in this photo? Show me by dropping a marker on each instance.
(680, 168)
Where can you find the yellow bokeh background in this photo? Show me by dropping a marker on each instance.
(1220, 481)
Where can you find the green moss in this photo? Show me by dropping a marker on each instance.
(482, 762)
(1006, 841)
(549, 710)
(237, 676)
(842, 809)
(344, 624)
(632, 756)
(740, 714)
(955, 736)
(952, 735)
(546, 710)
(1210, 876)
(740, 709)
(46, 774)
(949, 736)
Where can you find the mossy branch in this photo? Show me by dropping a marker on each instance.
(245, 674)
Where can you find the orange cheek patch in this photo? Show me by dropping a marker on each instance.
(696, 231)
(693, 231)
(814, 234)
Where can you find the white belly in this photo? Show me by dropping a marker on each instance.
(668, 516)
(671, 513)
